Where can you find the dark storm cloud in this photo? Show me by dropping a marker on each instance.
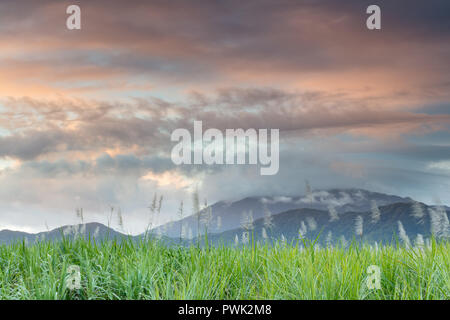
(144, 126)
(125, 164)
(424, 152)
(31, 144)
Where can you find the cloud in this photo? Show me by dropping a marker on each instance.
(326, 198)
(171, 179)
(278, 199)
(89, 114)
(37, 128)
(308, 45)
(440, 166)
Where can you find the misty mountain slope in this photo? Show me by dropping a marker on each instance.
(315, 222)
(94, 230)
(228, 215)
(6, 236)
(327, 218)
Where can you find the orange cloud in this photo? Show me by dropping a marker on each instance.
(172, 179)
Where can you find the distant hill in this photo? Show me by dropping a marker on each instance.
(228, 215)
(315, 222)
(95, 230)
(333, 214)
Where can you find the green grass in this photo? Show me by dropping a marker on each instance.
(149, 270)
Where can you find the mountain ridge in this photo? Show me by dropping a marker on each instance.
(333, 210)
(386, 230)
(230, 212)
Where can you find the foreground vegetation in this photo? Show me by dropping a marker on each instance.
(149, 270)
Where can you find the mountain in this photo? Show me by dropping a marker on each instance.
(94, 230)
(8, 236)
(318, 224)
(332, 214)
(228, 215)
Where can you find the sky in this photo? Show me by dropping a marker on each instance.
(86, 115)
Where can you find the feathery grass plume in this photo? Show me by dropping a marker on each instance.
(160, 204)
(375, 211)
(428, 243)
(444, 222)
(435, 223)
(417, 212)
(307, 187)
(190, 234)
(182, 226)
(75, 231)
(196, 210)
(419, 242)
(333, 213)
(219, 223)
(402, 234)
(312, 224)
(441, 213)
(247, 220)
(302, 230)
(236, 240)
(376, 246)
(79, 213)
(120, 218)
(152, 208)
(283, 240)
(183, 232)
(264, 234)
(309, 194)
(154, 204)
(329, 239)
(164, 228)
(67, 230)
(343, 241)
(245, 237)
(160, 230)
(83, 230)
(159, 233)
(96, 232)
(268, 219)
(109, 218)
(206, 216)
(439, 222)
(359, 222)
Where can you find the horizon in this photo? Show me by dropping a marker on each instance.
(124, 232)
